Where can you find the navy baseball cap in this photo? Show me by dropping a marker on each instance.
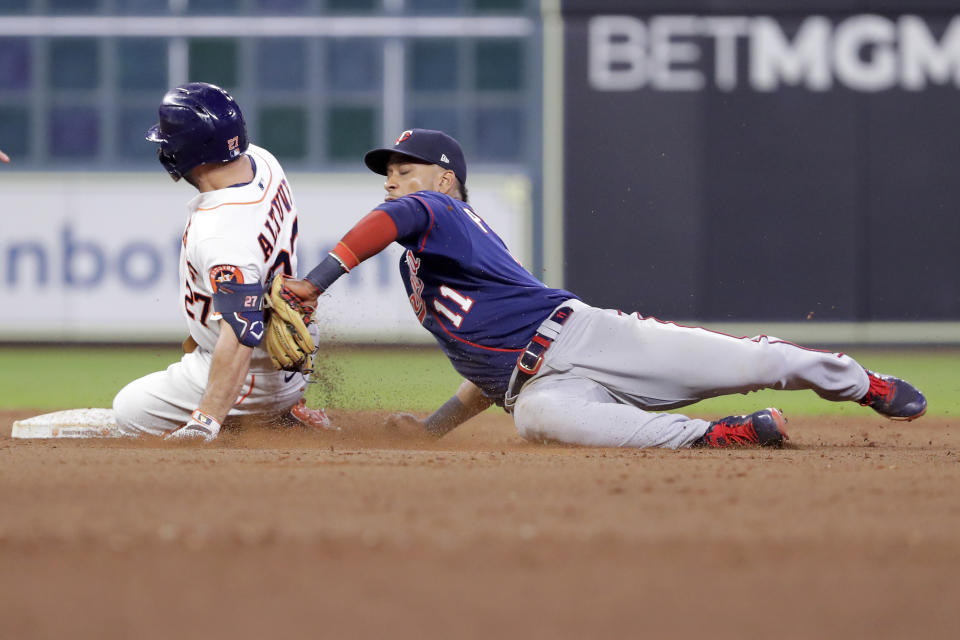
(432, 147)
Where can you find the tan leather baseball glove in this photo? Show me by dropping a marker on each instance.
(287, 339)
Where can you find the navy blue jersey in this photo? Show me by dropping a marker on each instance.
(466, 288)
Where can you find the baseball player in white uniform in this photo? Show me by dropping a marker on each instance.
(241, 231)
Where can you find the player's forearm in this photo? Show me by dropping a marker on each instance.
(367, 238)
(231, 362)
(468, 402)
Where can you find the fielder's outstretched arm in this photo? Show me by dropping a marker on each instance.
(468, 402)
(371, 235)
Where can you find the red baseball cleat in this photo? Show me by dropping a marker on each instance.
(315, 419)
(894, 398)
(762, 428)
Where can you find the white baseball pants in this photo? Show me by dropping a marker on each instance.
(162, 401)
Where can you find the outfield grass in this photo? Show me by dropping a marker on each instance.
(414, 379)
(57, 378)
(404, 379)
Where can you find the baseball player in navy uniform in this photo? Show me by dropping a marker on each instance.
(568, 371)
(242, 229)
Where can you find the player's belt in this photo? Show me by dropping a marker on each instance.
(530, 361)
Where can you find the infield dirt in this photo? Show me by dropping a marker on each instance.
(853, 531)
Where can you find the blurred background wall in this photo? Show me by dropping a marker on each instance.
(90, 221)
(769, 166)
(769, 161)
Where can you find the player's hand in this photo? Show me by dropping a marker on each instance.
(405, 425)
(200, 425)
(304, 290)
(4, 157)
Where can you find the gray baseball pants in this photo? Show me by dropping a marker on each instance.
(608, 377)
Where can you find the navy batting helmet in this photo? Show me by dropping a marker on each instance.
(200, 123)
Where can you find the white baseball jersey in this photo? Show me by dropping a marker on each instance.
(243, 234)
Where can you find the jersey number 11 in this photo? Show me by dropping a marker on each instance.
(461, 300)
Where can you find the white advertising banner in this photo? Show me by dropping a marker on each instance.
(93, 256)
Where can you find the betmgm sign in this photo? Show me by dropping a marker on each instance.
(859, 52)
(785, 167)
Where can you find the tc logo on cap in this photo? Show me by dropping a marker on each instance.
(403, 136)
